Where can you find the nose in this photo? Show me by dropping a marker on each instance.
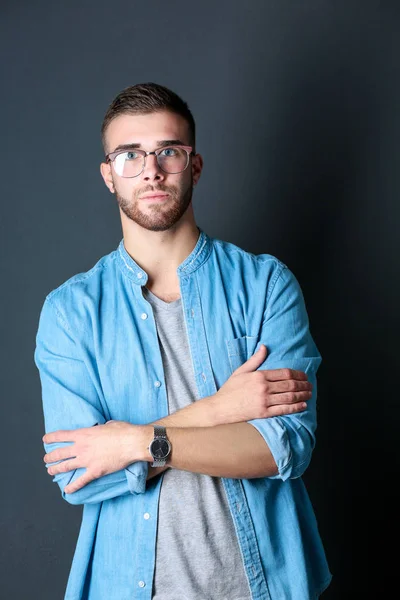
(152, 170)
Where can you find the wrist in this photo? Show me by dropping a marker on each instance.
(214, 412)
(144, 436)
(160, 446)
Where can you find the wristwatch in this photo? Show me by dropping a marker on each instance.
(160, 446)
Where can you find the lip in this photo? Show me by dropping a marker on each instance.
(154, 197)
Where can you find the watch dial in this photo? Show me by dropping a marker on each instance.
(159, 448)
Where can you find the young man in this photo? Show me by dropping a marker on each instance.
(179, 391)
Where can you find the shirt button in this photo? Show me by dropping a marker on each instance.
(141, 584)
(143, 316)
(157, 383)
(139, 275)
(146, 516)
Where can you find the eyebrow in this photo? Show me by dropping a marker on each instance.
(160, 144)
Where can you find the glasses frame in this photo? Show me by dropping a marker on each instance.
(145, 153)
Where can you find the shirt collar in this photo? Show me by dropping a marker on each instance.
(196, 258)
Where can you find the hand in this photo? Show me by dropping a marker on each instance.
(251, 394)
(101, 450)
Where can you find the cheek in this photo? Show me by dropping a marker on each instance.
(125, 189)
(185, 182)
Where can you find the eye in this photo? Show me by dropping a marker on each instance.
(169, 152)
(131, 155)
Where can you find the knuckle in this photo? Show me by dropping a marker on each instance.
(264, 404)
(267, 386)
(259, 377)
(262, 412)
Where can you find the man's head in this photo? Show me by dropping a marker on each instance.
(144, 99)
(149, 117)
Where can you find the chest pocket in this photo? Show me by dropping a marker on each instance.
(240, 349)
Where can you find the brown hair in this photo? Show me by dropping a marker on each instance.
(145, 98)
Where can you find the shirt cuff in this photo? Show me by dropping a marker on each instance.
(136, 475)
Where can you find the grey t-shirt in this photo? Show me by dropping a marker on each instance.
(197, 552)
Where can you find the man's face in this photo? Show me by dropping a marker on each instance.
(151, 131)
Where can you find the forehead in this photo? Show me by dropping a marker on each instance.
(146, 130)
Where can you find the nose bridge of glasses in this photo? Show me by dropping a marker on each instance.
(152, 162)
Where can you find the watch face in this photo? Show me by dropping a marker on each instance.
(159, 448)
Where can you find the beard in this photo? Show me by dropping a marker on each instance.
(158, 217)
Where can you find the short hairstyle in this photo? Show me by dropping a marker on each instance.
(145, 98)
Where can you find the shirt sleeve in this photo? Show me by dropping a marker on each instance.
(285, 331)
(71, 400)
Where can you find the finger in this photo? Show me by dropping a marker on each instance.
(59, 454)
(289, 385)
(289, 398)
(279, 374)
(63, 467)
(280, 410)
(79, 483)
(62, 435)
(254, 361)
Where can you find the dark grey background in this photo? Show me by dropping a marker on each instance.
(306, 95)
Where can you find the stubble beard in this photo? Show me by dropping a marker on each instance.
(160, 217)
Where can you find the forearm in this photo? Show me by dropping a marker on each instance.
(235, 450)
(201, 413)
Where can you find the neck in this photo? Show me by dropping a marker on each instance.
(160, 253)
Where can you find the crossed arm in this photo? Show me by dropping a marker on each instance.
(229, 434)
(211, 436)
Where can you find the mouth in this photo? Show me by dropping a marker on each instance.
(154, 197)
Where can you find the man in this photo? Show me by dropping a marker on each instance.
(179, 391)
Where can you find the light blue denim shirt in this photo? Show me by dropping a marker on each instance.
(99, 359)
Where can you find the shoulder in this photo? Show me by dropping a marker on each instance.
(260, 266)
(236, 253)
(83, 285)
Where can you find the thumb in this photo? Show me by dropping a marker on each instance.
(254, 361)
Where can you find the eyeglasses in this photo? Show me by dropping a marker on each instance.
(131, 163)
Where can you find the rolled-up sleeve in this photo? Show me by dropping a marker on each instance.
(286, 333)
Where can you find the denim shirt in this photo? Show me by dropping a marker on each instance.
(98, 358)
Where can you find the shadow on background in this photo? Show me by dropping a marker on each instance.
(324, 186)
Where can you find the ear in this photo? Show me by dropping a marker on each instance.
(105, 170)
(197, 167)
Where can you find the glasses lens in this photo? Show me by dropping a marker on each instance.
(128, 164)
(173, 160)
